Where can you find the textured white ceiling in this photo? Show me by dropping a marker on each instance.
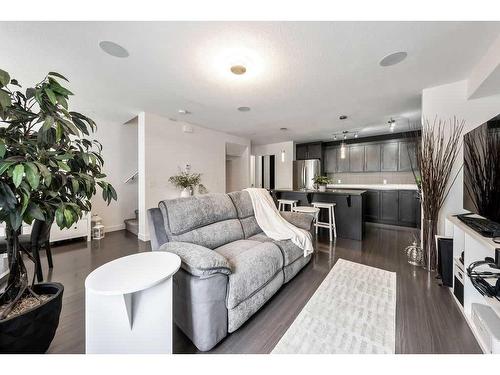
(301, 75)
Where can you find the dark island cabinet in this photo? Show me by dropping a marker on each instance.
(372, 205)
(308, 151)
(395, 207)
(389, 205)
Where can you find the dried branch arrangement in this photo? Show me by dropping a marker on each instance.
(435, 158)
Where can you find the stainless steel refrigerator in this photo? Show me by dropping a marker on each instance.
(304, 172)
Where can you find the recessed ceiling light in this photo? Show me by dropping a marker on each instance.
(356, 135)
(393, 58)
(243, 109)
(238, 69)
(283, 129)
(343, 117)
(113, 49)
(183, 112)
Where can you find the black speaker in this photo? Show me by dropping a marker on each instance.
(445, 265)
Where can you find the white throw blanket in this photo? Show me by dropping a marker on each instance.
(274, 225)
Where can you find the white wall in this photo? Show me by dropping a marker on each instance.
(284, 170)
(451, 100)
(167, 149)
(119, 143)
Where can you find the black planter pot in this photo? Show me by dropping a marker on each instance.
(33, 331)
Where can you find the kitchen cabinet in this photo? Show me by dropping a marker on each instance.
(331, 160)
(372, 158)
(407, 207)
(305, 151)
(389, 209)
(343, 164)
(407, 156)
(372, 205)
(356, 158)
(389, 157)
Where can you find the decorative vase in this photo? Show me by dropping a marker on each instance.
(322, 188)
(429, 241)
(186, 192)
(414, 254)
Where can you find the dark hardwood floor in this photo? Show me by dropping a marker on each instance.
(428, 321)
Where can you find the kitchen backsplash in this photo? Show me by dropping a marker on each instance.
(373, 178)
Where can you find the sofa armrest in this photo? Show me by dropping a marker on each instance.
(198, 260)
(300, 220)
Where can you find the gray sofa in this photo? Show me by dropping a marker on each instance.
(230, 268)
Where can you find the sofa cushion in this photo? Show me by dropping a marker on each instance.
(208, 220)
(253, 265)
(291, 252)
(198, 260)
(185, 214)
(244, 209)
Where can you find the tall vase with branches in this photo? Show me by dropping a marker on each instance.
(49, 169)
(436, 155)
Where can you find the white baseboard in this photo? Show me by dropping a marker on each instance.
(112, 228)
(143, 237)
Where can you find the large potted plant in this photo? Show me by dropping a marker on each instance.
(49, 171)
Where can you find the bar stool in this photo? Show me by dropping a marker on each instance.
(307, 210)
(284, 202)
(331, 218)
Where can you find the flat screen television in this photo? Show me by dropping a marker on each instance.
(482, 170)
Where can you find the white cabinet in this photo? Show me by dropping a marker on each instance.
(77, 230)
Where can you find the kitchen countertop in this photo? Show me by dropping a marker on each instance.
(374, 186)
(328, 191)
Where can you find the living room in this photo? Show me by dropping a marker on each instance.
(249, 186)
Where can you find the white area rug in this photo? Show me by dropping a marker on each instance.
(352, 311)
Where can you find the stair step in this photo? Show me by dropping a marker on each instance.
(132, 225)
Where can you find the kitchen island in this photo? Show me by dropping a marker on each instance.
(348, 208)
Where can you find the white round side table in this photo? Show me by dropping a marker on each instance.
(128, 304)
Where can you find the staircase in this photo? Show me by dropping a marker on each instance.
(132, 225)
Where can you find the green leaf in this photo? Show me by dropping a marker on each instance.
(75, 185)
(4, 166)
(4, 78)
(35, 212)
(3, 149)
(61, 90)
(51, 95)
(60, 217)
(62, 101)
(30, 93)
(5, 100)
(17, 175)
(32, 174)
(70, 126)
(15, 220)
(25, 200)
(68, 217)
(55, 74)
(64, 166)
(47, 124)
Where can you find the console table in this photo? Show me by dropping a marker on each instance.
(475, 247)
(128, 305)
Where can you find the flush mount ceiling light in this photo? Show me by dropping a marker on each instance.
(113, 49)
(243, 109)
(393, 58)
(183, 112)
(283, 129)
(238, 69)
